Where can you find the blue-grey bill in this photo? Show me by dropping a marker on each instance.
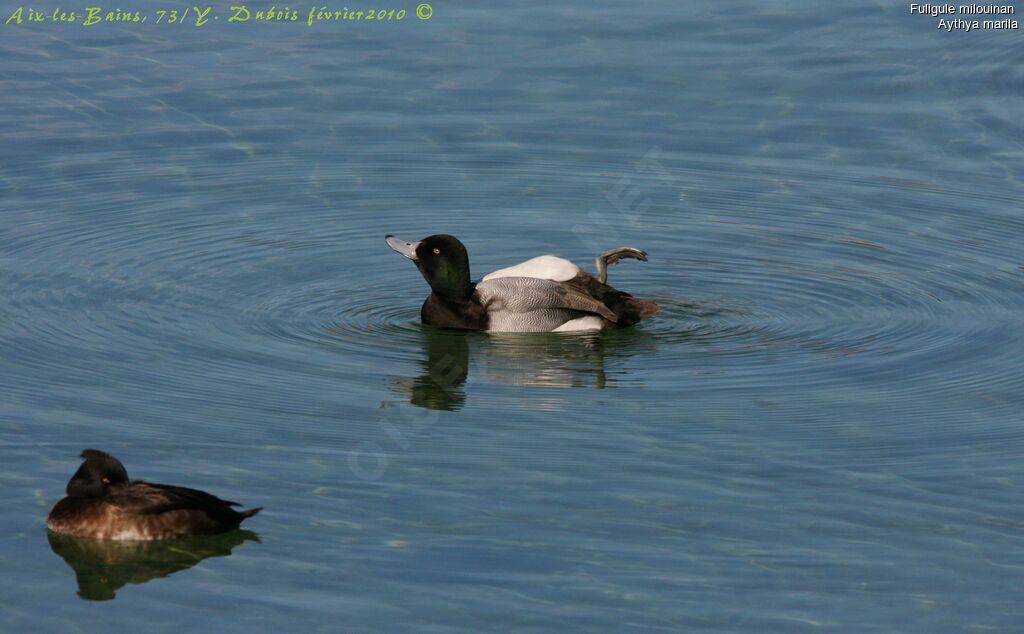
(404, 247)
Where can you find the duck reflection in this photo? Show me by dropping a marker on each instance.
(102, 567)
(522, 359)
(443, 371)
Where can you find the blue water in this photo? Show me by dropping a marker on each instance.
(822, 429)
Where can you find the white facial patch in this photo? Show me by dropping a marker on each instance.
(545, 267)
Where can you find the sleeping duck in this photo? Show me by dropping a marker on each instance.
(103, 504)
(545, 294)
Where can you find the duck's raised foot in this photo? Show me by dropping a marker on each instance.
(611, 257)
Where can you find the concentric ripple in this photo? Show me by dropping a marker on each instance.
(781, 284)
(353, 321)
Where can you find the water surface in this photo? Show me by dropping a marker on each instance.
(822, 429)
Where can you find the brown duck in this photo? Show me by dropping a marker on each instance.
(102, 503)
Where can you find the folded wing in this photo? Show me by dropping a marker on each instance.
(145, 498)
(527, 304)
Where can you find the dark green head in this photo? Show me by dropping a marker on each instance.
(442, 260)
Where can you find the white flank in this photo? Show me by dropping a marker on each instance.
(590, 322)
(545, 267)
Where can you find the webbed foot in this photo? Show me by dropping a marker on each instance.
(611, 257)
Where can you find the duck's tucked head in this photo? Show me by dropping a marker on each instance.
(442, 260)
(97, 475)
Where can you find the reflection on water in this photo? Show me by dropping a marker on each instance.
(103, 566)
(588, 359)
(523, 359)
(443, 371)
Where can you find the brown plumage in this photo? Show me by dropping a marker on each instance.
(103, 503)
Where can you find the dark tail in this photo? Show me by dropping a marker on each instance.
(249, 513)
(629, 309)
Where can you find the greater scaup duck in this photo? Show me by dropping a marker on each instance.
(545, 294)
(103, 504)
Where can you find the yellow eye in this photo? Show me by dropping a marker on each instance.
(106, 480)
(437, 251)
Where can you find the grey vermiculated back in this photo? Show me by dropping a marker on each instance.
(527, 304)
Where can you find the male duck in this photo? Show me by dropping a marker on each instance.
(545, 294)
(103, 504)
